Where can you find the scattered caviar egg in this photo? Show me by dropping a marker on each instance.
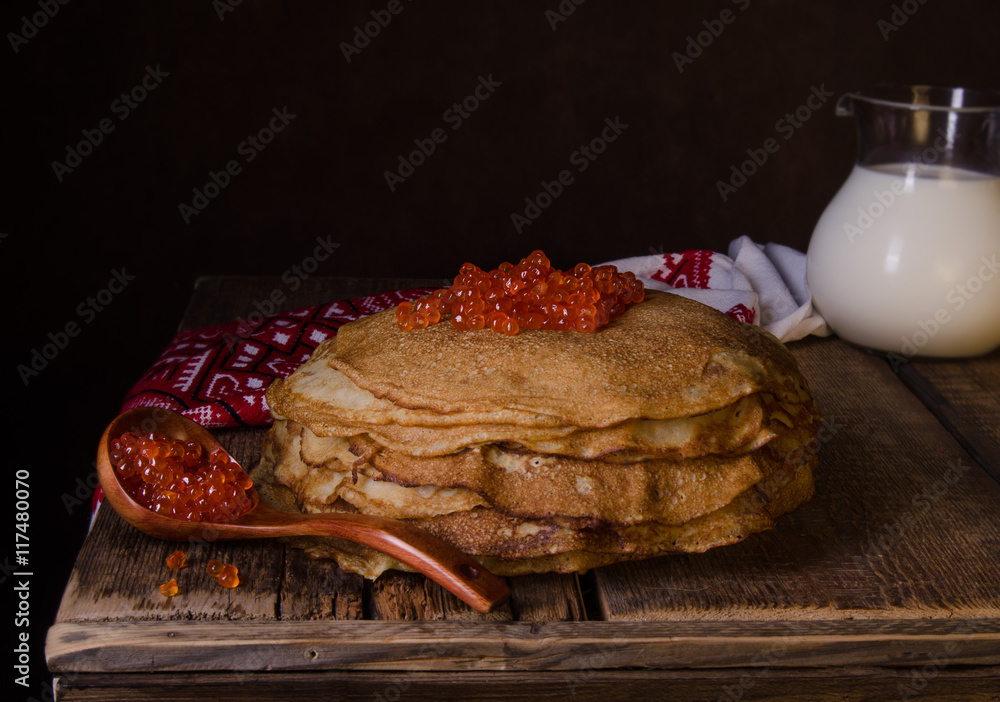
(530, 295)
(169, 588)
(229, 576)
(176, 560)
(214, 568)
(179, 479)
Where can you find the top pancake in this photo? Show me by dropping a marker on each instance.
(665, 357)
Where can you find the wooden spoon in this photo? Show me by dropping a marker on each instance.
(444, 564)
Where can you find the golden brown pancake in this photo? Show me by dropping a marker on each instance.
(737, 428)
(665, 357)
(673, 429)
(513, 546)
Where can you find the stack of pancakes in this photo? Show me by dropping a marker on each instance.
(672, 429)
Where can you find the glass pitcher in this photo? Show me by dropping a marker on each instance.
(905, 257)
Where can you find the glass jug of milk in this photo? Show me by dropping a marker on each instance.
(905, 257)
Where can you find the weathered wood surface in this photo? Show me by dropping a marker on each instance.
(760, 685)
(896, 562)
(904, 523)
(965, 397)
(508, 646)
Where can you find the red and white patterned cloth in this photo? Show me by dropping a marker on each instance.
(763, 285)
(218, 375)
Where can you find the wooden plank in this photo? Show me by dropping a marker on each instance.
(318, 590)
(886, 536)
(759, 684)
(119, 570)
(397, 596)
(488, 645)
(965, 397)
(549, 597)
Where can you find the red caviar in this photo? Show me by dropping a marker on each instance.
(176, 560)
(176, 478)
(214, 568)
(229, 576)
(530, 295)
(169, 588)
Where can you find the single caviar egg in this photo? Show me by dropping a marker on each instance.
(530, 295)
(176, 560)
(214, 568)
(169, 588)
(179, 479)
(229, 576)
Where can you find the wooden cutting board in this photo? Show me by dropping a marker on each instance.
(886, 584)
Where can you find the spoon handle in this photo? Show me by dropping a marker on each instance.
(454, 570)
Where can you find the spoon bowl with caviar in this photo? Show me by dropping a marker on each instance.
(178, 483)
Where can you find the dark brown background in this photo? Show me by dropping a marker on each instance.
(654, 189)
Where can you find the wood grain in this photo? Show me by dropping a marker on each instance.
(119, 570)
(546, 598)
(482, 645)
(887, 536)
(761, 685)
(965, 397)
(318, 590)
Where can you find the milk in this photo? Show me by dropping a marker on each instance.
(905, 259)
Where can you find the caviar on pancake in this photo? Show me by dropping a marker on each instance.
(530, 295)
(176, 479)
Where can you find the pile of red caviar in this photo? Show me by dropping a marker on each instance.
(530, 295)
(176, 478)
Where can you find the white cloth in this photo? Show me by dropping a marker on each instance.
(763, 285)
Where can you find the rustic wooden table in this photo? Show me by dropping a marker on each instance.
(886, 585)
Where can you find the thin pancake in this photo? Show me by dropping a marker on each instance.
(663, 358)
(334, 479)
(736, 428)
(550, 548)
